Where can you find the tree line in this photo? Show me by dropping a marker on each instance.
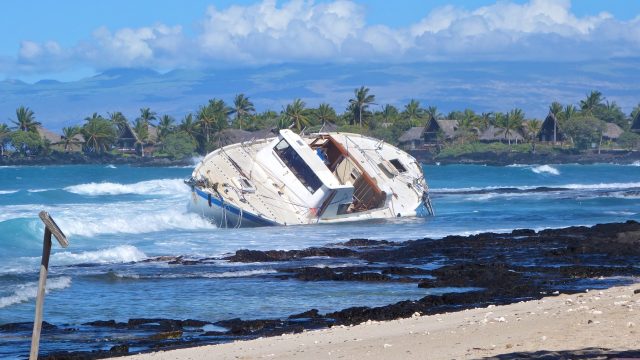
(196, 132)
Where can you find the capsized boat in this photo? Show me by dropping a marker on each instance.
(291, 179)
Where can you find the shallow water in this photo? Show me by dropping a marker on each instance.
(118, 216)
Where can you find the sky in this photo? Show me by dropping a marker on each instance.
(68, 40)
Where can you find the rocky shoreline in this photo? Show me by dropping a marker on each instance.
(426, 157)
(486, 269)
(504, 159)
(81, 159)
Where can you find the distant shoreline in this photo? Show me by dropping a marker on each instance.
(425, 157)
(80, 159)
(505, 159)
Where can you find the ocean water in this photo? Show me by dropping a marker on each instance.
(116, 217)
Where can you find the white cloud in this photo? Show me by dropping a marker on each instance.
(337, 31)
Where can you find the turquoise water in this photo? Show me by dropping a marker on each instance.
(118, 216)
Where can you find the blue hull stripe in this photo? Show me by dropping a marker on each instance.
(234, 210)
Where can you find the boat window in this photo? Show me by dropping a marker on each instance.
(297, 166)
(398, 165)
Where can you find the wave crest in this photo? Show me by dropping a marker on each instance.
(545, 169)
(114, 255)
(133, 222)
(149, 187)
(28, 291)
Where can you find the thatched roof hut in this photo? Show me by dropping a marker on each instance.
(448, 127)
(127, 139)
(48, 135)
(612, 131)
(413, 134)
(550, 130)
(496, 134)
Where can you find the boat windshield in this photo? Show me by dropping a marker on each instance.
(298, 166)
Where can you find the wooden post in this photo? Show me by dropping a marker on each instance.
(50, 228)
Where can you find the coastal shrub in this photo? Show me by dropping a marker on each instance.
(479, 147)
(629, 140)
(585, 131)
(179, 145)
(26, 142)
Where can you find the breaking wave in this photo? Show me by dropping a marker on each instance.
(206, 275)
(545, 169)
(115, 255)
(138, 222)
(5, 192)
(150, 187)
(28, 291)
(634, 186)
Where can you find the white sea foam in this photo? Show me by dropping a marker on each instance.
(242, 273)
(545, 169)
(27, 291)
(600, 186)
(113, 255)
(620, 213)
(5, 192)
(196, 160)
(131, 221)
(635, 163)
(110, 166)
(150, 187)
(210, 275)
(38, 190)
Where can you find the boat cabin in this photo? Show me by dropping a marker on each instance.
(322, 174)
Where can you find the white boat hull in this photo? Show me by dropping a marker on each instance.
(282, 181)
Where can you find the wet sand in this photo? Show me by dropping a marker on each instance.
(597, 323)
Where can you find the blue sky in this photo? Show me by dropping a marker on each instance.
(70, 39)
(489, 55)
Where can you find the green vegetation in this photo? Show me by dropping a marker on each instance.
(583, 126)
(179, 145)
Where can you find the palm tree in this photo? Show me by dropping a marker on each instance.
(220, 112)
(165, 127)
(25, 120)
(68, 136)
(147, 115)
(361, 101)
(189, 126)
(206, 119)
(465, 128)
(511, 123)
(592, 102)
(568, 112)
(325, 113)
(118, 119)
(389, 113)
(98, 134)
(95, 116)
(4, 136)
(242, 107)
(432, 112)
(141, 127)
(296, 113)
(413, 112)
(555, 108)
(533, 128)
(485, 119)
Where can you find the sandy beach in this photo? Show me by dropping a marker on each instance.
(596, 322)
